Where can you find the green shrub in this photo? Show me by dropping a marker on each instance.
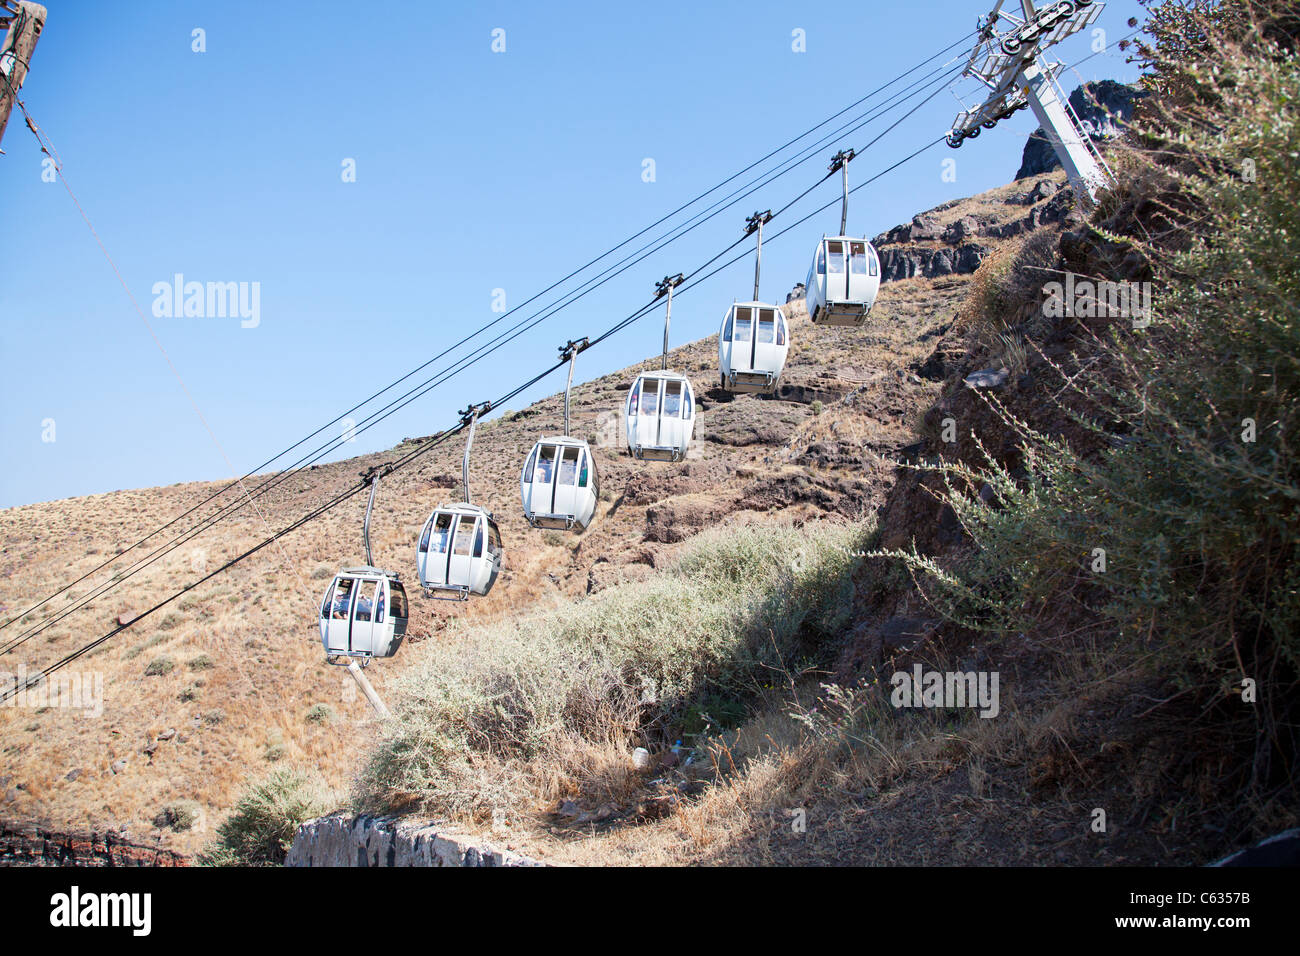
(178, 816)
(201, 663)
(1198, 523)
(159, 667)
(261, 827)
(320, 714)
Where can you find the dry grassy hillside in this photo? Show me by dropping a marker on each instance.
(213, 689)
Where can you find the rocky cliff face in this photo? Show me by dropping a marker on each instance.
(946, 242)
(29, 845)
(1104, 108)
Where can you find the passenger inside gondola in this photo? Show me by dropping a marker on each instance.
(342, 597)
(440, 531)
(569, 467)
(858, 260)
(672, 400)
(546, 463)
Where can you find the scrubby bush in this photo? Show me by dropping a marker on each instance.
(320, 714)
(159, 667)
(261, 827)
(527, 693)
(178, 816)
(1180, 539)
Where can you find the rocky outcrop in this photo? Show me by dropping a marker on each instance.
(744, 423)
(680, 518)
(607, 574)
(922, 228)
(29, 845)
(906, 262)
(1103, 108)
(344, 840)
(829, 495)
(954, 249)
(650, 485)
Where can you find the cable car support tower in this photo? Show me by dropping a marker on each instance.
(1011, 64)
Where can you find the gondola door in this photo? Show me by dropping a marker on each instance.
(769, 338)
(435, 544)
(672, 403)
(466, 544)
(837, 272)
(742, 340)
(645, 420)
(863, 270)
(539, 474)
(564, 492)
(339, 626)
(361, 637)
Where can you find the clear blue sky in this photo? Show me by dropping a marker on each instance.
(475, 171)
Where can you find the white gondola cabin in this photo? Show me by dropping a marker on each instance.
(752, 347)
(363, 614)
(843, 281)
(559, 485)
(660, 416)
(459, 552)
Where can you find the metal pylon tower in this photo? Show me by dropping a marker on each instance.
(1010, 63)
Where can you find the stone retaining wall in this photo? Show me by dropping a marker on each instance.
(344, 840)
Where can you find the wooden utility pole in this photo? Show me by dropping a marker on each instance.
(25, 21)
